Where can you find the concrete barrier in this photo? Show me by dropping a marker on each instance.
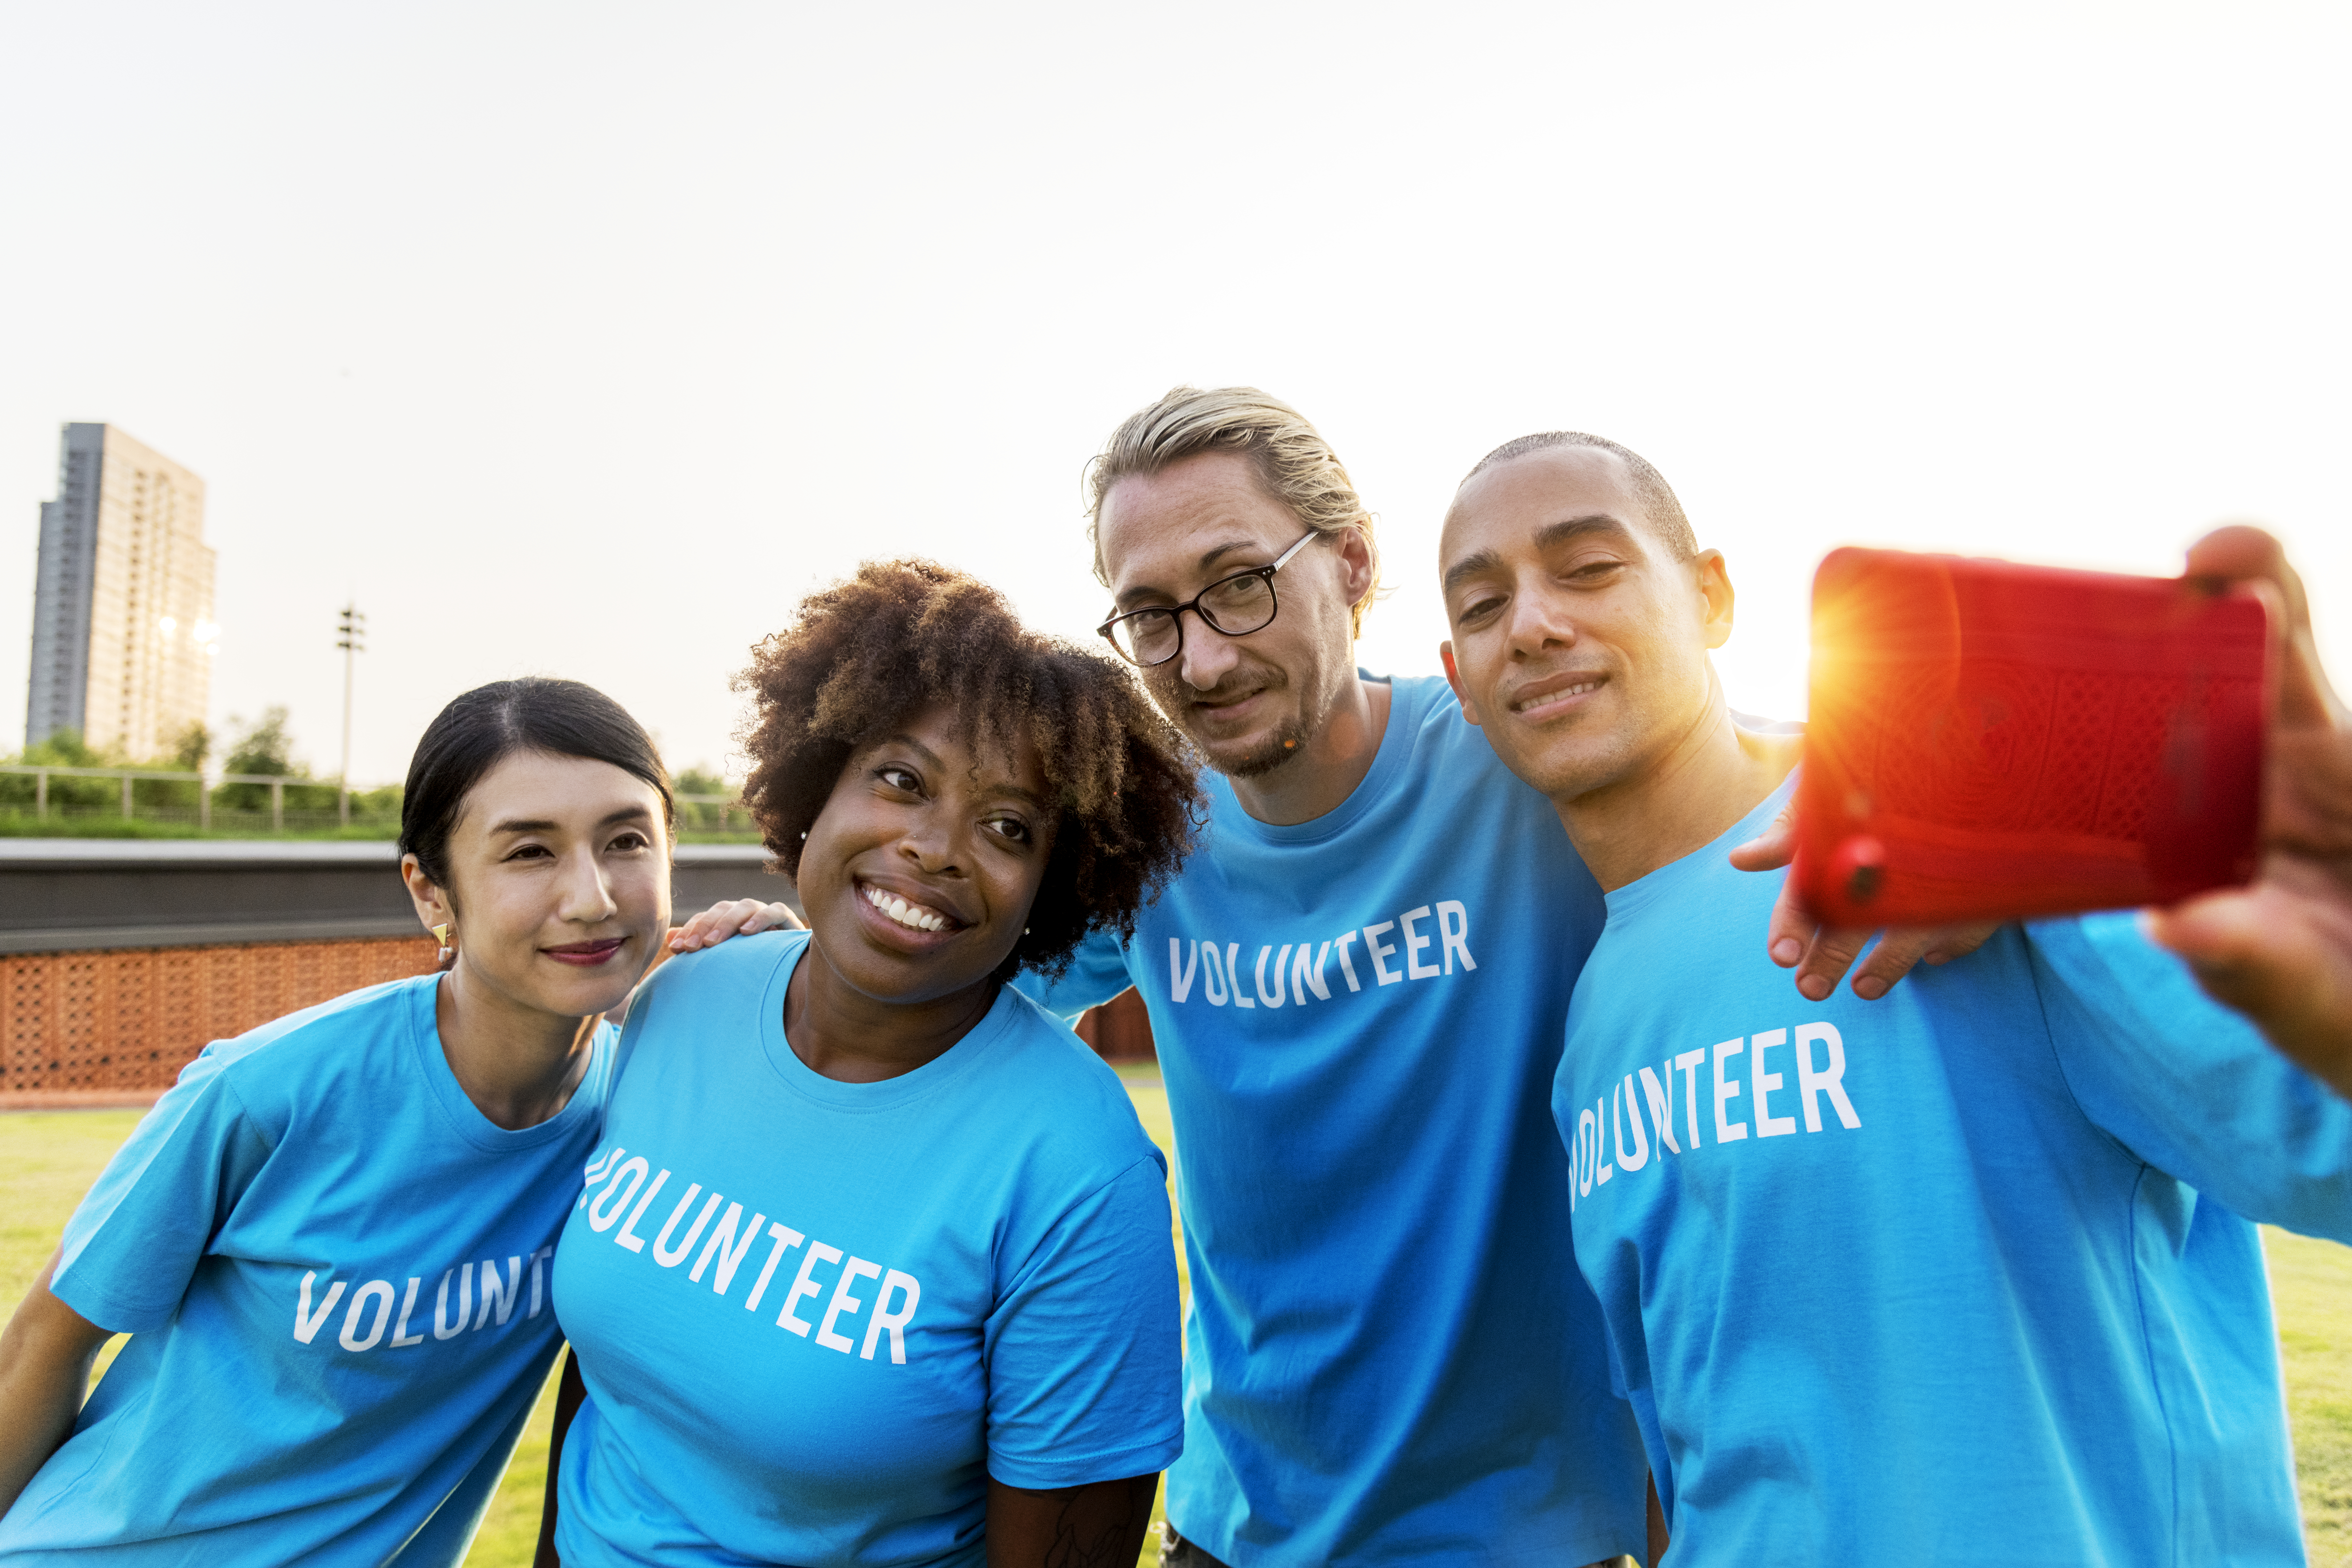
(120, 959)
(66, 895)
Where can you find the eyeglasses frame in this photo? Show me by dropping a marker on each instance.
(1176, 612)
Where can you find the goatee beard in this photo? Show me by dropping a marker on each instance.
(1279, 748)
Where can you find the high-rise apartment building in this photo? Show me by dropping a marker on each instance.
(122, 606)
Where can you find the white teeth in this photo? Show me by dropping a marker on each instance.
(1576, 690)
(913, 916)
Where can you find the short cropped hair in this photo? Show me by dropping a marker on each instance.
(1658, 497)
(863, 655)
(1293, 461)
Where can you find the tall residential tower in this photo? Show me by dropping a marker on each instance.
(123, 606)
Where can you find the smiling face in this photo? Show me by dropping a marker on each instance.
(559, 883)
(1579, 641)
(1249, 703)
(919, 873)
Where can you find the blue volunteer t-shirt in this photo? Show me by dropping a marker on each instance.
(815, 1318)
(1389, 1357)
(1957, 1276)
(334, 1270)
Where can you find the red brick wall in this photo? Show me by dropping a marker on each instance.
(1121, 1028)
(127, 1020)
(124, 1022)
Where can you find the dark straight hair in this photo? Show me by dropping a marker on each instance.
(481, 728)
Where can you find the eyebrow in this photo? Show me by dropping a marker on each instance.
(931, 757)
(548, 825)
(1208, 558)
(1549, 536)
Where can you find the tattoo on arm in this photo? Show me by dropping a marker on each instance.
(1091, 1536)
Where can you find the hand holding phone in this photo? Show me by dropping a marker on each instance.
(1987, 740)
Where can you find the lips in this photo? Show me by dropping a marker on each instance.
(586, 954)
(1554, 693)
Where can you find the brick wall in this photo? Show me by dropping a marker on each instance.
(1120, 1029)
(126, 1021)
(122, 1023)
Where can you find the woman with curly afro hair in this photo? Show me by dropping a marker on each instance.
(873, 1266)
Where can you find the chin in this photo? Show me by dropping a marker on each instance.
(1257, 757)
(1566, 773)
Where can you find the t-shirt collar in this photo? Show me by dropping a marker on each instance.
(463, 1116)
(947, 1065)
(1388, 763)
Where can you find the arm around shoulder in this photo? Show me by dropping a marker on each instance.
(1097, 972)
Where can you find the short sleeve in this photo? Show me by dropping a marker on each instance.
(1097, 972)
(1085, 1364)
(134, 1243)
(2185, 1084)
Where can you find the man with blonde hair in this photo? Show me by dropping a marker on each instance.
(1356, 986)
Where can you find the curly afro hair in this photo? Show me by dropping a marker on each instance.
(902, 636)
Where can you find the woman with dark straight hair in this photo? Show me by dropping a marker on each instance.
(329, 1241)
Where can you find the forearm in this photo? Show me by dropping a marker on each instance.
(568, 1392)
(1100, 1525)
(45, 1353)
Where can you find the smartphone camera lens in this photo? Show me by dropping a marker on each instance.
(1859, 868)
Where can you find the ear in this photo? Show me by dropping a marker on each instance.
(1360, 563)
(1454, 679)
(433, 906)
(1714, 586)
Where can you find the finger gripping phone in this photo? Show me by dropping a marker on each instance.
(1987, 740)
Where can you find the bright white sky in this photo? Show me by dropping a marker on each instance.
(584, 339)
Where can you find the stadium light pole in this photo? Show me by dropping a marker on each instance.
(352, 640)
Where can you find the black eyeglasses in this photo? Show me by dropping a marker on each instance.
(1236, 606)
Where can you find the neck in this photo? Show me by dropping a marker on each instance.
(1331, 763)
(517, 1064)
(841, 1033)
(1682, 799)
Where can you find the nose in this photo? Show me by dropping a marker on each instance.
(1538, 620)
(1209, 654)
(931, 843)
(587, 892)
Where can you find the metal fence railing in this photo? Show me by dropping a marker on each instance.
(171, 796)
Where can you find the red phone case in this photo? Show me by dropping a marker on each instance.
(1991, 742)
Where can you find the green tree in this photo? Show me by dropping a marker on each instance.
(63, 749)
(195, 745)
(263, 747)
(698, 816)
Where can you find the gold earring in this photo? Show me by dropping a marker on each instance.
(441, 935)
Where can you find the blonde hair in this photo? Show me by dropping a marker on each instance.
(1291, 459)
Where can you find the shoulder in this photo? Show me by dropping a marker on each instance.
(1066, 1099)
(271, 1067)
(1447, 744)
(2104, 966)
(695, 979)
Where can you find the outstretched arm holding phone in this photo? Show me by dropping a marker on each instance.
(2280, 952)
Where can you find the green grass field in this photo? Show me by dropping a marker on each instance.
(47, 1159)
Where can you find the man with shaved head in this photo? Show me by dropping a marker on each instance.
(1963, 1276)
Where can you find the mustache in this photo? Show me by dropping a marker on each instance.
(1234, 684)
